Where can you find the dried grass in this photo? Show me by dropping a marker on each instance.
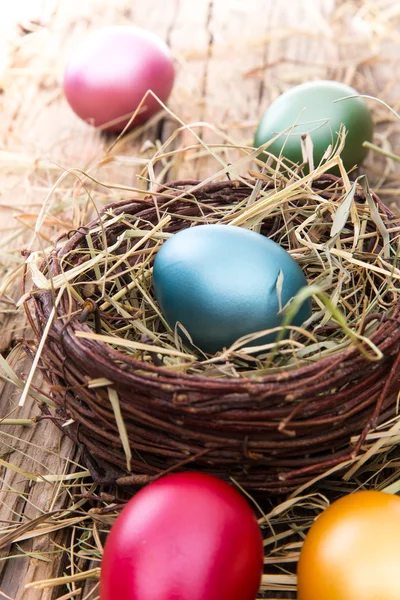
(70, 197)
(286, 523)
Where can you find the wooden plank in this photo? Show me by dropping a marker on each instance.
(37, 122)
(369, 55)
(233, 58)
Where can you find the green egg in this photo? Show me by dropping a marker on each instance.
(312, 108)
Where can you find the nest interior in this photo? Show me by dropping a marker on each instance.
(140, 404)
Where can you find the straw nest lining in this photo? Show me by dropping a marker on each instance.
(141, 404)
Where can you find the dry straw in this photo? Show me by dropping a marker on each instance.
(75, 535)
(323, 205)
(342, 236)
(272, 417)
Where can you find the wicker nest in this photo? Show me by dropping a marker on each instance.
(270, 432)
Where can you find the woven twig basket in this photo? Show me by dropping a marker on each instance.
(270, 433)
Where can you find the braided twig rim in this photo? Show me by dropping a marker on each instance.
(271, 434)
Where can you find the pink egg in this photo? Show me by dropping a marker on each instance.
(109, 74)
(185, 536)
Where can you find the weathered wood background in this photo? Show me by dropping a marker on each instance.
(233, 57)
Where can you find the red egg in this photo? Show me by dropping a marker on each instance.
(108, 75)
(186, 536)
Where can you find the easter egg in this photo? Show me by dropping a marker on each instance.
(223, 282)
(111, 70)
(352, 551)
(313, 108)
(185, 536)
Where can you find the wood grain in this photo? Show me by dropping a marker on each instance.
(233, 58)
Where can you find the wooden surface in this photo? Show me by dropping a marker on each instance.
(233, 57)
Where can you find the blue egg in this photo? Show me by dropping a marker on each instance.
(220, 283)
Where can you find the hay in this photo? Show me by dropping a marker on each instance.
(286, 522)
(376, 465)
(90, 510)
